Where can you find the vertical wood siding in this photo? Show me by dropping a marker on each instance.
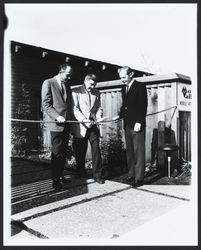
(111, 102)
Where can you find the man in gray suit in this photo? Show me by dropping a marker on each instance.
(56, 107)
(87, 109)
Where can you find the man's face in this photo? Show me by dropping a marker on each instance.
(90, 84)
(66, 74)
(125, 77)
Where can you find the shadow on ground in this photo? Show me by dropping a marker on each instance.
(32, 185)
(155, 177)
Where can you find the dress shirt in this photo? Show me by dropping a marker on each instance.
(89, 95)
(129, 85)
(61, 85)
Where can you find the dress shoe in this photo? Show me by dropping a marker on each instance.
(138, 184)
(99, 180)
(129, 180)
(65, 180)
(82, 174)
(57, 184)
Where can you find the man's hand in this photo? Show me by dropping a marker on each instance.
(137, 127)
(61, 119)
(88, 123)
(101, 119)
(115, 118)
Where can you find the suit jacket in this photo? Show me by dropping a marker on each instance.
(134, 108)
(54, 103)
(84, 109)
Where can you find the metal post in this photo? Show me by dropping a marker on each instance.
(169, 160)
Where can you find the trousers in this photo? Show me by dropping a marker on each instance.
(80, 148)
(135, 153)
(59, 151)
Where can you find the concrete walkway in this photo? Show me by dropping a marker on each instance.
(90, 213)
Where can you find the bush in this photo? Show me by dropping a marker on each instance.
(18, 130)
(113, 154)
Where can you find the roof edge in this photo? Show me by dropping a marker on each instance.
(173, 77)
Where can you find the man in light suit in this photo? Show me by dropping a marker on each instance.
(56, 98)
(134, 111)
(87, 109)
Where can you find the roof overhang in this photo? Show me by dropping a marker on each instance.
(149, 80)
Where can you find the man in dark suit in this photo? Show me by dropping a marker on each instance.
(134, 111)
(87, 109)
(56, 107)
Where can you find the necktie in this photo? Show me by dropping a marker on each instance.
(89, 98)
(127, 88)
(62, 89)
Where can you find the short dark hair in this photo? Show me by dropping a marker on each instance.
(90, 77)
(127, 69)
(63, 67)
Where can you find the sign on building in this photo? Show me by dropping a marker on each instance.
(184, 97)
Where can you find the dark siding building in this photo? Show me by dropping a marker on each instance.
(31, 65)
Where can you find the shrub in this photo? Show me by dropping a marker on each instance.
(18, 130)
(113, 153)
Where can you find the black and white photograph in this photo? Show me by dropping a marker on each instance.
(100, 124)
